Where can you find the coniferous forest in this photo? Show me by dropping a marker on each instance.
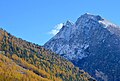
(25, 61)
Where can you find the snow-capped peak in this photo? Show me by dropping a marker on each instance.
(91, 16)
(65, 31)
(89, 42)
(87, 17)
(69, 23)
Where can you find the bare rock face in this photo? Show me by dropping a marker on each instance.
(92, 43)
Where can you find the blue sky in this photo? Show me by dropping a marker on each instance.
(33, 20)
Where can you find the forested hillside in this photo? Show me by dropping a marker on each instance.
(24, 61)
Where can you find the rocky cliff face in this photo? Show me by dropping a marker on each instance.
(92, 43)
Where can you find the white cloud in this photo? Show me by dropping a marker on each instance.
(56, 29)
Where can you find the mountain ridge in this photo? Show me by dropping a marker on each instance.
(91, 37)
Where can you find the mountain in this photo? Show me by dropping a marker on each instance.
(92, 43)
(25, 61)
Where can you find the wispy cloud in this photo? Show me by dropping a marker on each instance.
(56, 29)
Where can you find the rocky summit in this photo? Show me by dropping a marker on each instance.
(92, 43)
